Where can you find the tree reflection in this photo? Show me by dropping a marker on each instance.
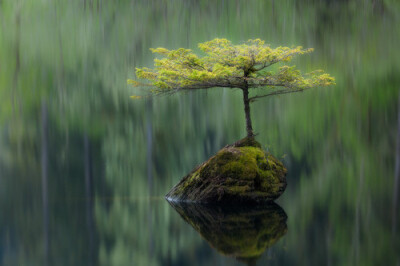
(243, 232)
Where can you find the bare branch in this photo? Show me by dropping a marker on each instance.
(254, 98)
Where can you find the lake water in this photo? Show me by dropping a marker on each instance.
(84, 168)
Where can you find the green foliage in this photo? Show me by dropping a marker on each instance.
(227, 65)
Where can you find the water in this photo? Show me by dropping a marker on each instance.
(84, 168)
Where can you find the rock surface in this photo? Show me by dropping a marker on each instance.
(241, 172)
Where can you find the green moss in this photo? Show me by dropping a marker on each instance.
(243, 165)
(238, 189)
(237, 169)
(194, 177)
(234, 173)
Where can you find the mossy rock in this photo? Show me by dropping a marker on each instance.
(241, 172)
(239, 231)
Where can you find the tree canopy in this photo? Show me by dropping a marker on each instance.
(224, 64)
(242, 66)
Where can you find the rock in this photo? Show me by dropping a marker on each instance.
(240, 231)
(241, 172)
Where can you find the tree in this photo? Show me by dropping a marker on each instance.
(226, 65)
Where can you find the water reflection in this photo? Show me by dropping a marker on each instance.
(243, 232)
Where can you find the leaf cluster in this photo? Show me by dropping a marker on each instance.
(226, 65)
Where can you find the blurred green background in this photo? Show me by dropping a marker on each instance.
(83, 168)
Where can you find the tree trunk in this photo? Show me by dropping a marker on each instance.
(246, 102)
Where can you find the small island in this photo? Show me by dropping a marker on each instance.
(238, 173)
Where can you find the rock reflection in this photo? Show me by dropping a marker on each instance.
(243, 232)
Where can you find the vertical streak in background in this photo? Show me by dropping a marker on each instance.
(357, 235)
(396, 175)
(14, 96)
(60, 68)
(149, 162)
(149, 145)
(89, 197)
(44, 162)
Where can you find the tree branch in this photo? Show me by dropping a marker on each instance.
(254, 98)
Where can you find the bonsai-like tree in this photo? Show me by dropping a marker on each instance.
(244, 66)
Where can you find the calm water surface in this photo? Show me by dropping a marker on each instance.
(84, 168)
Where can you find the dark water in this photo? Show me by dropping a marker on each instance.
(83, 168)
